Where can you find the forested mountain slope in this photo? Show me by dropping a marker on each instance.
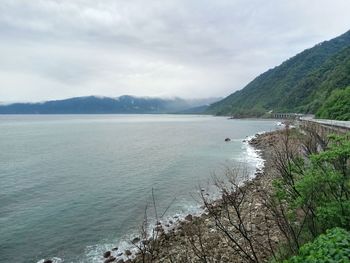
(300, 84)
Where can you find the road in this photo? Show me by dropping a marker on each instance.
(333, 123)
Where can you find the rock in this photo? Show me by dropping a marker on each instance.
(128, 252)
(115, 249)
(110, 259)
(227, 140)
(107, 254)
(48, 261)
(135, 240)
(120, 261)
(210, 225)
(275, 239)
(159, 228)
(119, 254)
(145, 242)
(253, 227)
(189, 217)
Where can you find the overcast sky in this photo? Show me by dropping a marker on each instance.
(52, 49)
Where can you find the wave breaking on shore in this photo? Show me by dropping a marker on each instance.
(250, 158)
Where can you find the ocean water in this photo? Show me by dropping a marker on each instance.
(73, 186)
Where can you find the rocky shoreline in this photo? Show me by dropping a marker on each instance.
(198, 237)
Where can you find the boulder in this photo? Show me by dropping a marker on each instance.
(145, 242)
(135, 240)
(115, 249)
(128, 252)
(159, 228)
(107, 254)
(110, 259)
(189, 217)
(227, 140)
(48, 261)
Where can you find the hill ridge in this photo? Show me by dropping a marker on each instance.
(105, 105)
(273, 89)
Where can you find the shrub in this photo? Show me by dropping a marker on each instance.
(325, 186)
(334, 246)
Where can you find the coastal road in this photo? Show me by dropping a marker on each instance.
(329, 123)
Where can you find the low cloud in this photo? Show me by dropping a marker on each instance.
(190, 48)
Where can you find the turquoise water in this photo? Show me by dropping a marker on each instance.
(72, 186)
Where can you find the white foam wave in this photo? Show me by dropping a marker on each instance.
(251, 157)
(94, 253)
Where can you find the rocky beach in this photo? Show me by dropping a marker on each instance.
(216, 235)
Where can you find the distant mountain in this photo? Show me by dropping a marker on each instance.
(104, 105)
(300, 84)
(195, 110)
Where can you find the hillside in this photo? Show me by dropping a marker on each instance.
(101, 105)
(336, 106)
(300, 84)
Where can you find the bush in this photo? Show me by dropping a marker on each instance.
(325, 186)
(313, 195)
(337, 106)
(334, 246)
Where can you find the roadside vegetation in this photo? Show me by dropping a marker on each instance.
(311, 197)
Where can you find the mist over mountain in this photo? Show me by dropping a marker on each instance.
(301, 84)
(104, 105)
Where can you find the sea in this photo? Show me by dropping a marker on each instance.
(75, 186)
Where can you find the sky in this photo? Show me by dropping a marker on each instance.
(55, 49)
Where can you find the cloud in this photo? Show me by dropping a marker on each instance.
(190, 48)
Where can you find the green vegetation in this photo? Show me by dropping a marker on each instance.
(337, 106)
(300, 84)
(334, 246)
(312, 196)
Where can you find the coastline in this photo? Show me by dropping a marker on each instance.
(105, 231)
(174, 238)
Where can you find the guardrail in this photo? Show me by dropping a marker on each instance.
(343, 126)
